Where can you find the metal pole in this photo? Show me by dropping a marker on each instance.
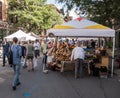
(113, 52)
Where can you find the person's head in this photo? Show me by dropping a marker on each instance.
(36, 40)
(67, 40)
(5, 40)
(15, 40)
(79, 43)
(30, 41)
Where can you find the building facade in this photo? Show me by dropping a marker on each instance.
(3, 10)
(3, 19)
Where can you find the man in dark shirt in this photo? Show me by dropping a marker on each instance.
(6, 47)
(93, 44)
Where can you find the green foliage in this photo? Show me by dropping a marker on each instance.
(32, 15)
(109, 44)
(105, 12)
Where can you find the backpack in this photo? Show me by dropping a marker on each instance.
(23, 51)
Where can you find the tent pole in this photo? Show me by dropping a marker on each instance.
(113, 52)
(99, 42)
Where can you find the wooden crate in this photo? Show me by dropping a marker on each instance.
(104, 62)
(67, 65)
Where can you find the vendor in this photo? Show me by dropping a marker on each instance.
(98, 56)
(103, 51)
(78, 55)
(51, 59)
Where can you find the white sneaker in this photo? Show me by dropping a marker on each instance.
(45, 71)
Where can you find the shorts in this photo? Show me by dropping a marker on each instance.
(29, 56)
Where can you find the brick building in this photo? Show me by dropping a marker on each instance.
(3, 18)
(3, 10)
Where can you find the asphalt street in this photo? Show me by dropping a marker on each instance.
(56, 85)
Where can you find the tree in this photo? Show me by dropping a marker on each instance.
(32, 15)
(105, 12)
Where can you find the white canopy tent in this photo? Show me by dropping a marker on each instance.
(81, 32)
(22, 36)
(81, 27)
(29, 37)
(34, 35)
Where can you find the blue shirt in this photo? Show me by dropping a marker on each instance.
(17, 53)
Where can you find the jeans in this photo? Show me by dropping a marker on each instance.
(44, 61)
(79, 68)
(4, 56)
(16, 69)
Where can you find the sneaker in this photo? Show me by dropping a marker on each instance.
(45, 71)
(14, 88)
(3, 66)
(18, 83)
(32, 69)
(10, 65)
(24, 67)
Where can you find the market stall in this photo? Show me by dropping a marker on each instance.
(82, 27)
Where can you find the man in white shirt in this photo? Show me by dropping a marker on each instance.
(78, 55)
(37, 48)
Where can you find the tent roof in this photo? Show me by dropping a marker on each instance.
(83, 28)
(33, 34)
(17, 34)
(20, 35)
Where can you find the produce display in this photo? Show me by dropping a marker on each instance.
(63, 52)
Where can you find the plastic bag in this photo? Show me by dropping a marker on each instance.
(35, 62)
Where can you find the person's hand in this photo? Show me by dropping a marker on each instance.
(72, 59)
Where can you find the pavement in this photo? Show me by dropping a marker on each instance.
(56, 85)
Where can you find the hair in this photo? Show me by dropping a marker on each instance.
(30, 41)
(19, 42)
(15, 39)
(79, 43)
(36, 40)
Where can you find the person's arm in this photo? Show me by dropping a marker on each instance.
(72, 55)
(34, 45)
(3, 44)
(33, 49)
(83, 53)
(20, 51)
(9, 46)
(26, 49)
(49, 52)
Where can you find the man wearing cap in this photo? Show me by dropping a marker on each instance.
(78, 55)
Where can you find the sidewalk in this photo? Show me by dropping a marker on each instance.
(56, 85)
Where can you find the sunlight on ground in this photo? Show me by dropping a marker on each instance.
(2, 80)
